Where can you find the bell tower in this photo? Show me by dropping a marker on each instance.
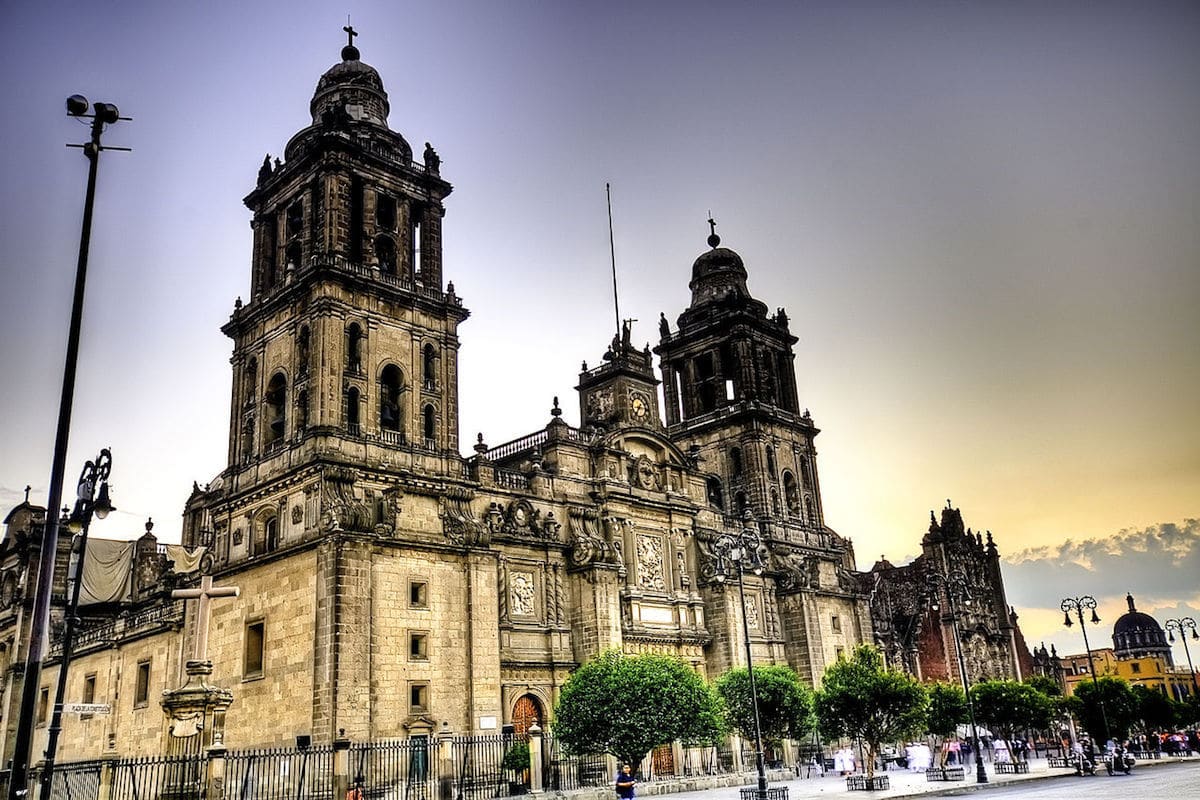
(730, 395)
(349, 340)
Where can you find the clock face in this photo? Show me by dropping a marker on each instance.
(639, 405)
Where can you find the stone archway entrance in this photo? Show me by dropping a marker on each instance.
(526, 712)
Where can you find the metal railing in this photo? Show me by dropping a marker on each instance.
(404, 769)
(479, 770)
(298, 773)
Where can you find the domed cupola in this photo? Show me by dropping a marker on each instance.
(351, 87)
(1136, 634)
(718, 274)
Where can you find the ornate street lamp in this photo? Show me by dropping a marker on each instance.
(1078, 604)
(1181, 625)
(954, 587)
(93, 479)
(102, 114)
(734, 553)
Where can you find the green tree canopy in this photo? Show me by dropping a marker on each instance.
(1155, 711)
(1119, 709)
(628, 705)
(858, 698)
(1044, 684)
(1010, 706)
(784, 702)
(947, 709)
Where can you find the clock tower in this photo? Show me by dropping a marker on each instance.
(622, 391)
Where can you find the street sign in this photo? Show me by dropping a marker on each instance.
(87, 708)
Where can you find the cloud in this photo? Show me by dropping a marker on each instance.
(1158, 565)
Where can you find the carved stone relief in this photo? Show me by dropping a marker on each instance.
(651, 571)
(522, 590)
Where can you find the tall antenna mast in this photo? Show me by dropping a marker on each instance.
(613, 252)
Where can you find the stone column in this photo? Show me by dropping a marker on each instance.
(341, 765)
(536, 764)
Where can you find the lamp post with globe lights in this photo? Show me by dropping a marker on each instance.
(92, 498)
(1181, 625)
(734, 553)
(1078, 604)
(954, 586)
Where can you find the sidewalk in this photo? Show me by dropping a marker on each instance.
(903, 783)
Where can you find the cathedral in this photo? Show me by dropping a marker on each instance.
(390, 586)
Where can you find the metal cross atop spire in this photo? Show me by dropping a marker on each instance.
(350, 32)
(713, 239)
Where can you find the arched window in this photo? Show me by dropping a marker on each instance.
(385, 253)
(791, 493)
(741, 504)
(295, 217)
(429, 366)
(716, 494)
(275, 412)
(292, 255)
(352, 420)
(354, 337)
(735, 461)
(385, 212)
(430, 426)
(266, 535)
(391, 384)
(414, 241)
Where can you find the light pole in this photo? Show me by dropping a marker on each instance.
(103, 114)
(736, 551)
(1078, 604)
(954, 587)
(93, 478)
(1181, 625)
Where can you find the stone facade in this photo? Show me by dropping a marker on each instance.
(919, 638)
(391, 587)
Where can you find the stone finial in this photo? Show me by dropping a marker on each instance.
(480, 447)
(555, 411)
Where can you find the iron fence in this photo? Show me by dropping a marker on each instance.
(398, 769)
(480, 770)
(76, 781)
(152, 777)
(294, 773)
(565, 773)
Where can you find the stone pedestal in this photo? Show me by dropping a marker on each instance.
(195, 719)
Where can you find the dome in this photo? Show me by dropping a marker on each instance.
(717, 275)
(352, 87)
(1136, 634)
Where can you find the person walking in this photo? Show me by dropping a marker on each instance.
(625, 783)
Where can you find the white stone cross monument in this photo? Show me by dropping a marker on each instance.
(204, 594)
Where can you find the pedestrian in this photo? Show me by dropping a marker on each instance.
(625, 783)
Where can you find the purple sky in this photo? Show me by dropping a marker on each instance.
(981, 219)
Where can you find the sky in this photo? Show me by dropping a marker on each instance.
(982, 220)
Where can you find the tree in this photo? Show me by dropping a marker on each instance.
(859, 698)
(784, 702)
(1155, 710)
(628, 705)
(1119, 709)
(947, 709)
(1010, 706)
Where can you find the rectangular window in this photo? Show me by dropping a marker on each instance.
(418, 646)
(835, 622)
(418, 698)
(418, 594)
(43, 705)
(89, 692)
(252, 662)
(141, 689)
(840, 652)
(1135, 666)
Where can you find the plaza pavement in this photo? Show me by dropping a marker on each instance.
(903, 783)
